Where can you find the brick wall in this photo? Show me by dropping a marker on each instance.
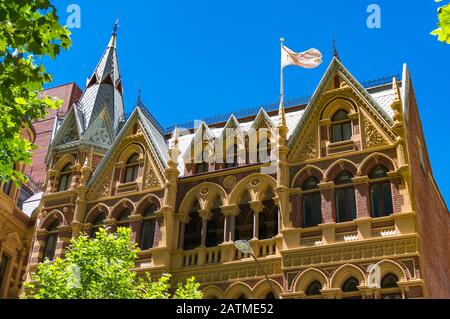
(69, 94)
(433, 216)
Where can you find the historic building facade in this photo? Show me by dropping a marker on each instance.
(345, 186)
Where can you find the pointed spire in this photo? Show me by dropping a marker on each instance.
(335, 51)
(105, 87)
(396, 105)
(174, 150)
(281, 115)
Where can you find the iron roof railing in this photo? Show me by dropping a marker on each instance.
(251, 111)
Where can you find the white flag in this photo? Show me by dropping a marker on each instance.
(309, 59)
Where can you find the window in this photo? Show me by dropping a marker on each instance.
(97, 224)
(201, 168)
(264, 152)
(123, 220)
(311, 203)
(3, 266)
(389, 281)
(350, 285)
(314, 289)
(131, 169)
(341, 127)
(52, 239)
(65, 179)
(380, 193)
(345, 198)
(232, 157)
(148, 228)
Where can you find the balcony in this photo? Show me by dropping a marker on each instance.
(225, 253)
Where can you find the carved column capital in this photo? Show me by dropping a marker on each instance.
(230, 210)
(256, 206)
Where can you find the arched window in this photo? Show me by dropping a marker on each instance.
(148, 228)
(389, 281)
(380, 192)
(345, 198)
(97, 224)
(231, 157)
(192, 230)
(264, 151)
(123, 219)
(341, 127)
(268, 219)
(215, 226)
(131, 169)
(52, 239)
(311, 203)
(389, 287)
(314, 289)
(350, 285)
(65, 179)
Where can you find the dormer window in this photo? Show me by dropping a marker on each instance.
(264, 151)
(232, 157)
(131, 169)
(201, 168)
(65, 179)
(341, 127)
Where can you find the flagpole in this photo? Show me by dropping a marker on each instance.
(281, 76)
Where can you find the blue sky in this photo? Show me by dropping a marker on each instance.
(194, 59)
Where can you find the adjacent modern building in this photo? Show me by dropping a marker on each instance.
(335, 194)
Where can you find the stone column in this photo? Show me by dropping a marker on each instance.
(257, 207)
(135, 225)
(205, 215)
(230, 211)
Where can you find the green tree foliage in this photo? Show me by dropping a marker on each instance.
(29, 31)
(443, 30)
(100, 269)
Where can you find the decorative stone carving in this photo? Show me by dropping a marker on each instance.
(101, 135)
(103, 189)
(309, 149)
(229, 181)
(70, 135)
(373, 136)
(151, 180)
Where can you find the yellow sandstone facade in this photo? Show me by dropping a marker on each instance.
(337, 209)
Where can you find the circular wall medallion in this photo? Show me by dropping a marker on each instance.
(204, 191)
(255, 182)
(229, 181)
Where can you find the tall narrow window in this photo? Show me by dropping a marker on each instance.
(264, 151)
(65, 179)
(148, 228)
(52, 239)
(123, 220)
(232, 157)
(341, 127)
(345, 198)
(202, 167)
(192, 231)
(380, 192)
(97, 224)
(131, 169)
(311, 203)
(3, 266)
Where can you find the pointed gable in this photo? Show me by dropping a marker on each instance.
(101, 132)
(263, 120)
(70, 129)
(156, 153)
(336, 81)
